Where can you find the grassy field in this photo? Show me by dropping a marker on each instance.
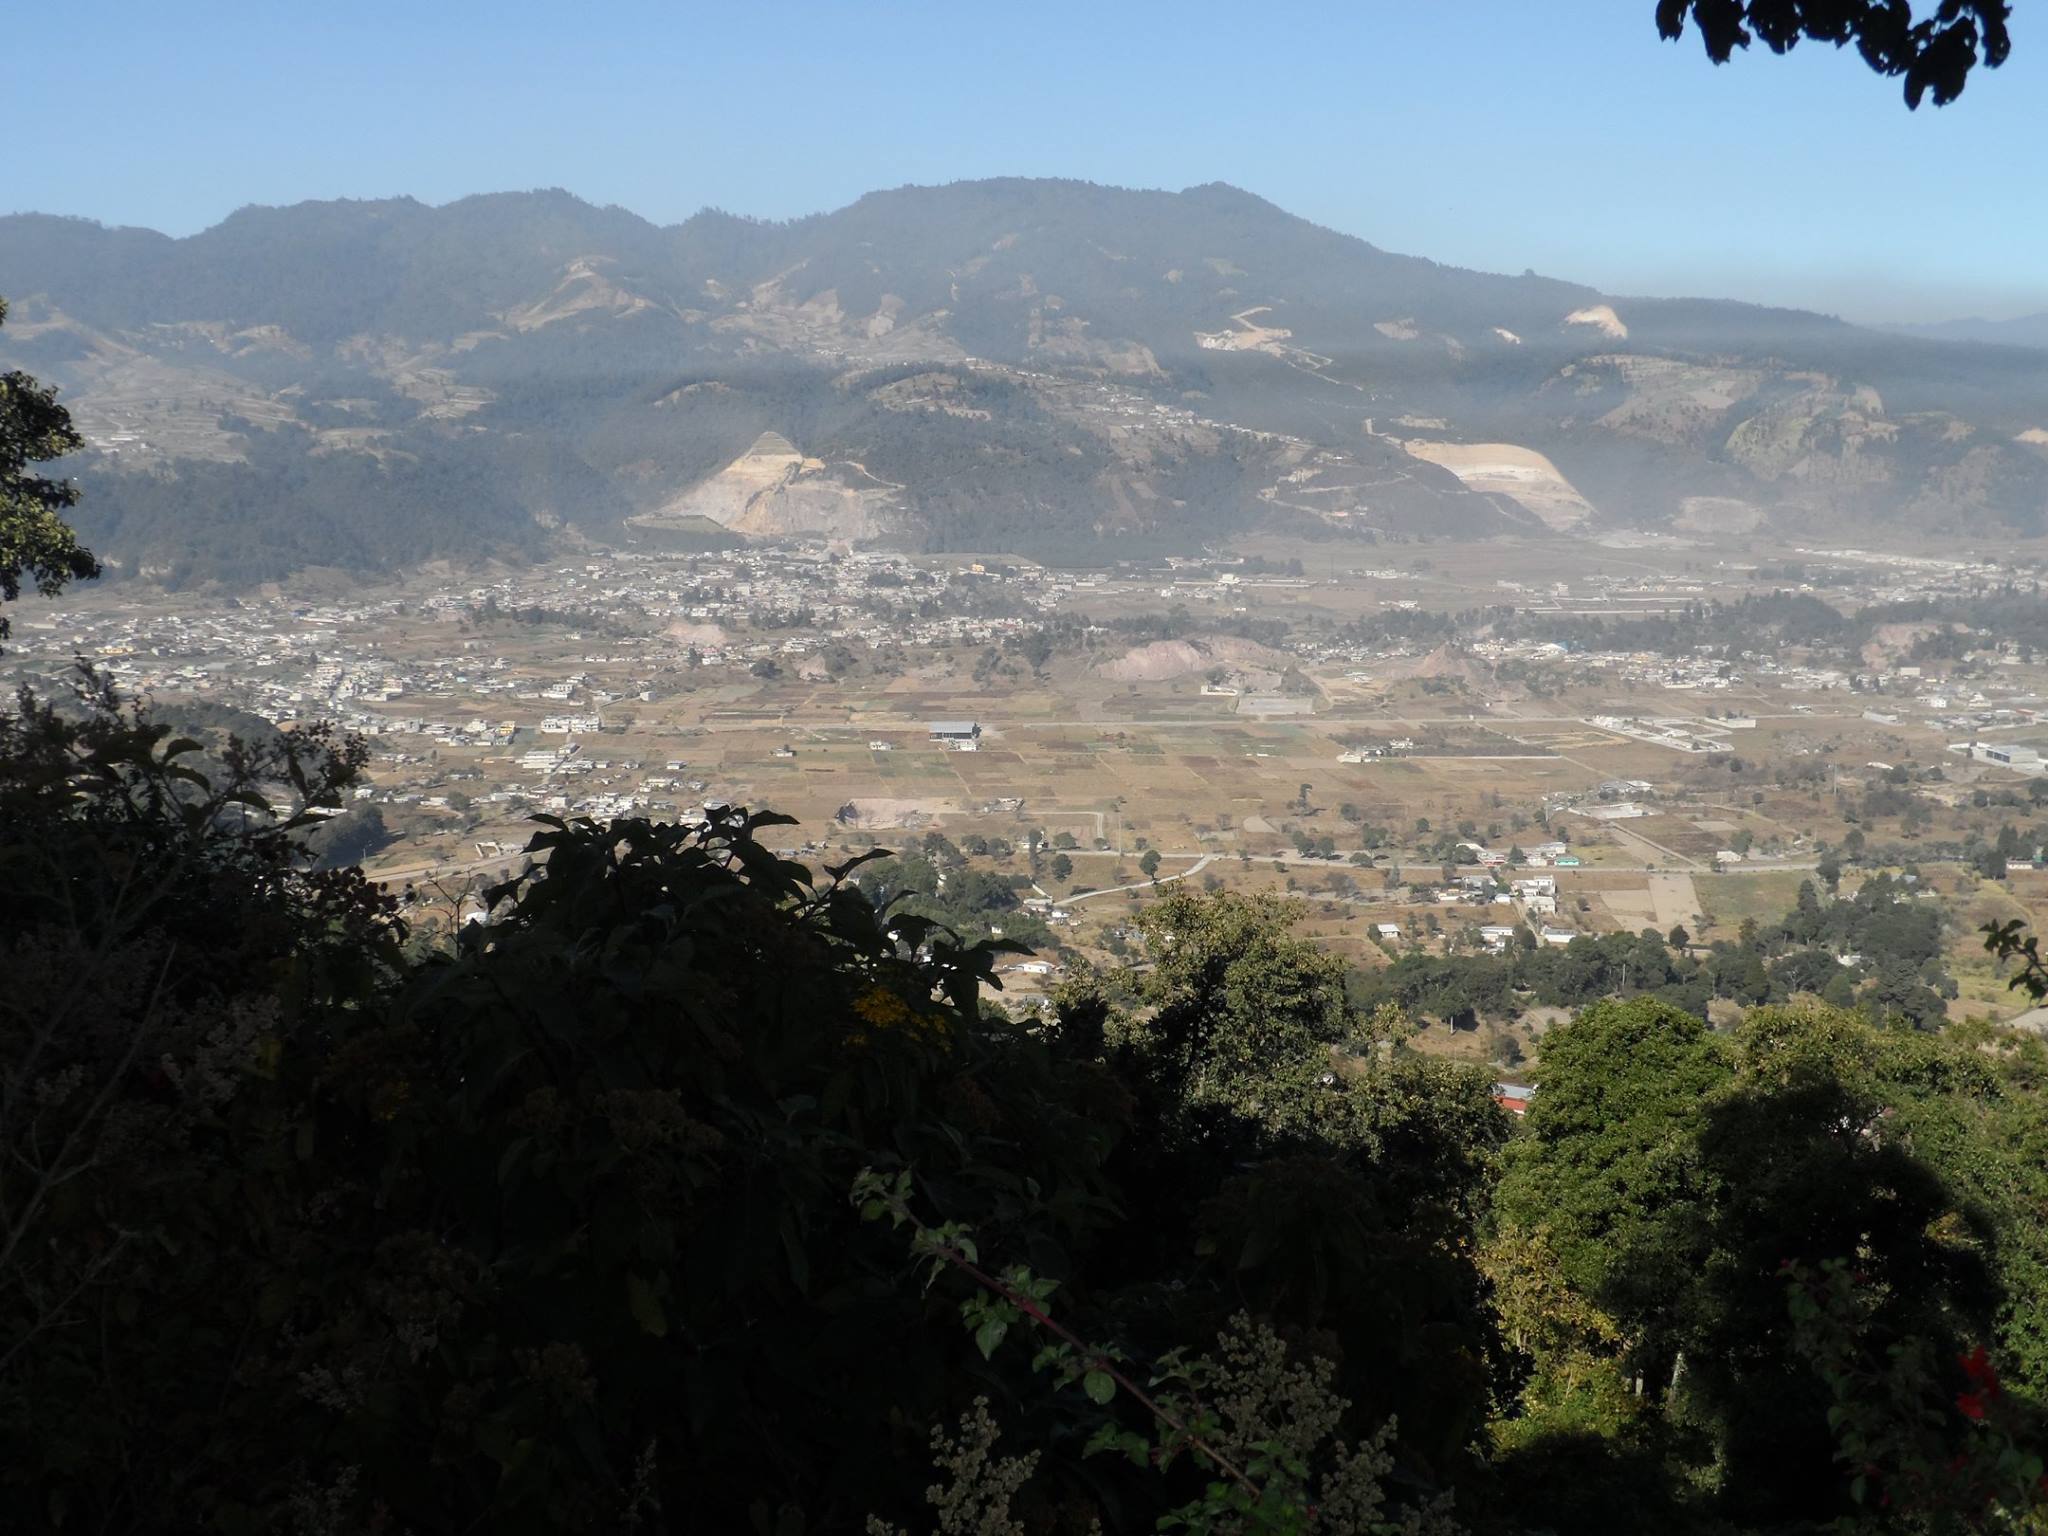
(1765, 895)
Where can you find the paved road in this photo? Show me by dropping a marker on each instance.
(1143, 885)
(1629, 837)
(1384, 857)
(415, 872)
(400, 874)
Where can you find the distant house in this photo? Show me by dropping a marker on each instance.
(1625, 789)
(957, 735)
(1513, 1097)
(2024, 759)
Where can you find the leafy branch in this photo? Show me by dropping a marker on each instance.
(2004, 940)
(1017, 1294)
(1910, 1443)
(1280, 1413)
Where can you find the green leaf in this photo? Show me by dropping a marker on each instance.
(989, 1335)
(645, 1306)
(1050, 1354)
(1104, 1439)
(1100, 1386)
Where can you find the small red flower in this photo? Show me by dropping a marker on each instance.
(1982, 1373)
(1971, 1405)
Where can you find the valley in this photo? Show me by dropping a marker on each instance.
(1435, 757)
(820, 842)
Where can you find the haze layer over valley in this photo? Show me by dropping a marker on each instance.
(1066, 371)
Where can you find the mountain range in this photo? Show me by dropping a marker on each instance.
(2019, 331)
(1050, 368)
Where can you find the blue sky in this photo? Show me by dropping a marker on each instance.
(1471, 131)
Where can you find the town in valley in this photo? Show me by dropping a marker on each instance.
(1437, 750)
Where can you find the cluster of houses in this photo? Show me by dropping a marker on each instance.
(344, 660)
(1531, 896)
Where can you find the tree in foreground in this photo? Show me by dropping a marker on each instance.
(1706, 1247)
(36, 544)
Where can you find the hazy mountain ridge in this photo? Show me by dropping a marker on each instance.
(1048, 366)
(2019, 331)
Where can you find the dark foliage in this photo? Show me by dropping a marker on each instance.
(532, 1233)
(1933, 52)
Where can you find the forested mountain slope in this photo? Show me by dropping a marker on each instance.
(1063, 368)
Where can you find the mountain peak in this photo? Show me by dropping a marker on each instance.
(1224, 194)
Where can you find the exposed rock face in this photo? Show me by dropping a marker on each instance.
(583, 291)
(1522, 475)
(773, 491)
(1602, 318)
(765, 469)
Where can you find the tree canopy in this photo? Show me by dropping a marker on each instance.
(36, 543)
(1933, 53)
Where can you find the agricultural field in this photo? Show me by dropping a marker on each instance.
(1384, 734)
